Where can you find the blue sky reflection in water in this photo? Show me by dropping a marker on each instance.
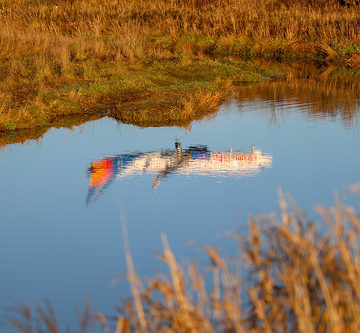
(56, 246)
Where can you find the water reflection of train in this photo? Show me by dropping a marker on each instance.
(195, 160)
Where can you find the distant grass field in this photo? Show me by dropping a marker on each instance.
(175, 57)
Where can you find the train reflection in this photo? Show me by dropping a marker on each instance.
(194, 160)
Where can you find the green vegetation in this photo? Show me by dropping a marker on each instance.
(327, 91)
(155, 62)
(298, 280)
(163, 92)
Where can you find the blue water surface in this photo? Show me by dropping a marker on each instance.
(55, 246)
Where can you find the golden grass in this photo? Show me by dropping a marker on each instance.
(61, 57)
(326, 92)
(298, 280)
(172, 109)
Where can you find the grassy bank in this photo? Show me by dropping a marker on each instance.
(146, 60)
(297, 280)
(326, 92)
(164, 92)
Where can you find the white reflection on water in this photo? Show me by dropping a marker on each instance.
(195, 160)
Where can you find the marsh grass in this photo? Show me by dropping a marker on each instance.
(155, 91)
(172, 109)
(62, 57)
(298, 279)
(328, 91)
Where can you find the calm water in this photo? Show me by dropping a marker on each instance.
(62, 198)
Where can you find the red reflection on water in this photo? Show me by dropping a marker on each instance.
(101, 172)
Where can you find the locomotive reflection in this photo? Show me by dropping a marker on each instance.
(194, 160)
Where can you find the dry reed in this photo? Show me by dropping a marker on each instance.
(298, 279)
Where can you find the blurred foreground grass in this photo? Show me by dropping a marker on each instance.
(298, 280)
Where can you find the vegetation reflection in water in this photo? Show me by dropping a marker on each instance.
(194, 160)
(326, 92)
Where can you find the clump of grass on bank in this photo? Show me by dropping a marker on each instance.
(298, 280)
(65, 57)
(177, 93)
